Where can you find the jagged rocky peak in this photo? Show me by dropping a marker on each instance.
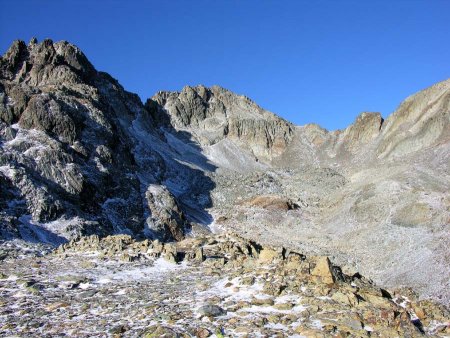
(44, 62)
(77, 150)
(214, 114)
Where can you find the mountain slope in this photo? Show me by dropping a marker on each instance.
(78, 149)
(80, 155)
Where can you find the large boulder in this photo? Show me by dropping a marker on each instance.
(166, 220)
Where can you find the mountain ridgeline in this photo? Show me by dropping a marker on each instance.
(80, 155)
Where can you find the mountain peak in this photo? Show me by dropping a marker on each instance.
(45, 56)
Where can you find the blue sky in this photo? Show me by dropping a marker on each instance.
(307, 61)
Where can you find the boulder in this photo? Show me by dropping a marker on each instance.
(211, 311)
(167, 221)
(323, 269)
(268, 255)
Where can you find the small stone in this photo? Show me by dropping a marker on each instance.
(259, 322)
(202, 333)
(211, 310)
(273, 319)
(250, 280)
(118, 330)
(262, 302)
(159, 331)
(283, 306)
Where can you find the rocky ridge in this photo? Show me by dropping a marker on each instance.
(214, 115)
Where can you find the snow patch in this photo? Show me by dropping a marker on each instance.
(160, 266)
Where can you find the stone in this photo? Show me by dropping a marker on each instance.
(283, 306)
(262, 301)
(267, 255)
(211, 310)
(323, 270)
(249, 280)
(345, 298)
(167, 220)
(160, 331)
(198, 256)
(202, 333)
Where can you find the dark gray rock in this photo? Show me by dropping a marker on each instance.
(211, 310)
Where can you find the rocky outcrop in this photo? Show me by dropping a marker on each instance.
(270, 203)
(167, 219)
(215, 113)
(420, 122)
(362, 132)
(76, 146)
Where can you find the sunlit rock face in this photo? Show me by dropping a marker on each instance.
(80, 155)
(214, 114)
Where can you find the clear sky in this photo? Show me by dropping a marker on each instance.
(307, 61)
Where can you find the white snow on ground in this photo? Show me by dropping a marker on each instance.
(159, 267)
(271, 309)
(185, 149)
(316, 324)
(277, 326)
(233, 290)
(245, 293)
(286, 299)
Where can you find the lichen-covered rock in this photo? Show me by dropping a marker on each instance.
(267, 255)
(160, 331)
